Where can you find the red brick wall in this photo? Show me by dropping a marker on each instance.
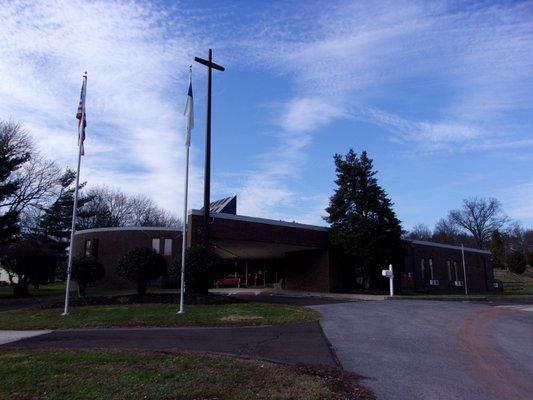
(479, 274)
(222, 228)
(113, 244)
(308, 271)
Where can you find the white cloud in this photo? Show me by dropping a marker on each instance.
(380, 62)
(134, 54)
(385, 62)
(306, 114)
(473, 62)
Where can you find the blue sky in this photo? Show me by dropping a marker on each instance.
(439, 93)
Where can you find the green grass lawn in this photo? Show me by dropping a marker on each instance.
(58, 290)
(83, 374)
(163, 315)
(526, 278)
(50, 290)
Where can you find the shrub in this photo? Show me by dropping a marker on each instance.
(202, 266)
(141, 265)
(86, 270)
(516, 261)
(32, 260)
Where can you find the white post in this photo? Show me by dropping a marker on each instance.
(391, 281)
(464, 268)
(72, 231)
(184, 232)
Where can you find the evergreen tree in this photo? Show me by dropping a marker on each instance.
(56, 220)
(497, 256)
(363, 223)
(14, 152)
(516, 261)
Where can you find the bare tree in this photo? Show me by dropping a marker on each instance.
(34, 181)
(111, 207)
(420, 232)
(38, 184)
(146, 213)
(480, 217)
(446, 232)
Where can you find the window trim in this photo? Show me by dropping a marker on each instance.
(158, 248)
(88, 247)
(165, 241)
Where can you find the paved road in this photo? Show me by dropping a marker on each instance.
(435, 350)
(299, 343)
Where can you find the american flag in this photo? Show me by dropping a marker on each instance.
(80, 115)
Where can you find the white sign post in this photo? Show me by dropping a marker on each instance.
(388, 273)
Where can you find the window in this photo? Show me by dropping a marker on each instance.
(156, 245)
(431, 275)
(88, 247)
(455, 271)
(423, 268)
(96, 245)
(167, 250)
(450, 272)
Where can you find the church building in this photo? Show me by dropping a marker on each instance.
(286, 255)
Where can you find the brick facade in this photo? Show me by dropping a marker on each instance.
(109, 244)
(302, 252)
(447, 262)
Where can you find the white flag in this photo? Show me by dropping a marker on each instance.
(189, 113)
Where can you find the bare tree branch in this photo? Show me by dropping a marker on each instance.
(480, 217)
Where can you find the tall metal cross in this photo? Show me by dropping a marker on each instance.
(207, 171)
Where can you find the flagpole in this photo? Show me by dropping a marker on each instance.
(188, 126)
(184, 231)
(74, 214)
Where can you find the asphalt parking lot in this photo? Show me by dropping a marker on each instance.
(435, 349)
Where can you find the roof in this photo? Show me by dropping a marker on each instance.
(127, 228)
(261, 220)
(446, 246)
(227, 205)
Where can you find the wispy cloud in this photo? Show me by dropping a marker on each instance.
(436, 75)
(387, 63)
(133, 60)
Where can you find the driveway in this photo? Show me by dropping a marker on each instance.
(295, 344)
(435, 349)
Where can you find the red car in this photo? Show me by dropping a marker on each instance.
(228, 281)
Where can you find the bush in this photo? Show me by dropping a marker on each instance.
(32, 260)
(202, 266)
(516, 261)
(141, 265)
(86, 270)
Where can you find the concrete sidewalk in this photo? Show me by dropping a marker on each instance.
(14, 336)
(297, 294)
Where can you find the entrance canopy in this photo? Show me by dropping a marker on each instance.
(237, 236)
(251, 250)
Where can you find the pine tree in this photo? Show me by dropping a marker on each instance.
(56, 221)
(14, 152)
(497, 250)
(363, 224)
